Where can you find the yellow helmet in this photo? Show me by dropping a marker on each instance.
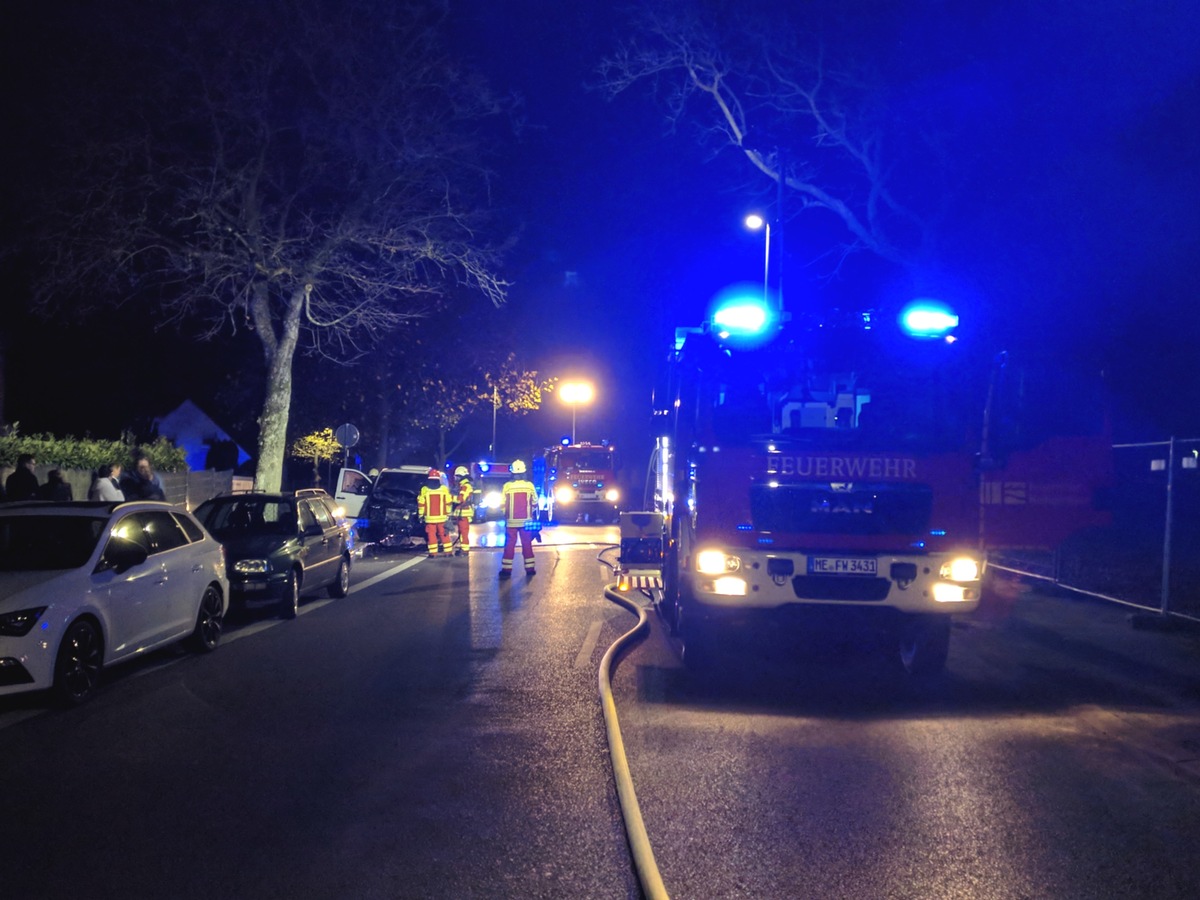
(517, 467)
(460, 471)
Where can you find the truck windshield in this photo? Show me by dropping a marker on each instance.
(843, 390)
(586, 459)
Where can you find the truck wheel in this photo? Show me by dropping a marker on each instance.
(699, 645)
(669, 603)
(922, 645)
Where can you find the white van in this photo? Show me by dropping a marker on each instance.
(353, 486)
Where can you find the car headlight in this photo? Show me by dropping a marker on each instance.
(963, 568)
(251, 566)
(17, 624)
(493, 500)
(612, 495)
(564, 494)
(716, 562)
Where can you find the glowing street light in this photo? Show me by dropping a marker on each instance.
(574, 393)
(754, 222)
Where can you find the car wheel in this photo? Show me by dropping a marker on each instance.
(923, 644)
(210, 620)
(80, 659)
(289, 602)
(341, 584)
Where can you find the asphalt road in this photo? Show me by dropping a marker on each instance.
(437, 734)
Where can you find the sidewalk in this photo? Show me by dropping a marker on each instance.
(1161, 654)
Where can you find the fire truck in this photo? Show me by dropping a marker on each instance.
(577, 482)
(844, 481)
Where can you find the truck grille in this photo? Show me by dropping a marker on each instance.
(857, 509)
(840, 587)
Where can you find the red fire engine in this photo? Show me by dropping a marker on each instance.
(577, 481)
(846, 481)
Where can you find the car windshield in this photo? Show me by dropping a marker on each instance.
(248, 515)
(395, 485)
(45, 543)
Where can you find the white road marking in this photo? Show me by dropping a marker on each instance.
(589, 645)
(395, 570)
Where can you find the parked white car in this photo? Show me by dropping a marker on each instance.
(87, 585)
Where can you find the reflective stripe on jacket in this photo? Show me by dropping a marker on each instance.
(463, 507)
(434, 504)
(520, 502)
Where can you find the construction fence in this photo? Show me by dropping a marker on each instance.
(1149, 558)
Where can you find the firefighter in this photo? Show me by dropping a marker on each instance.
(464, 508)
(520, 506)
(433, 506)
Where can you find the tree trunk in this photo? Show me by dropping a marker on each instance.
(273, 422)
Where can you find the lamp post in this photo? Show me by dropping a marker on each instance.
(495, 409)
(754, 222)
(574, 393)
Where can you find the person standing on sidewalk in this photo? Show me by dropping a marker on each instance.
(520, 506)
(23, 483)
(433, 506)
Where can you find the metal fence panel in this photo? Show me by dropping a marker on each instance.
(1150, 556)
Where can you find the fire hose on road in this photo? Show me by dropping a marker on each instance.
(635, 828)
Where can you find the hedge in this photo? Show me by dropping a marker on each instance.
(89, 454)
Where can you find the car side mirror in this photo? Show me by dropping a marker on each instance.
(122, 554)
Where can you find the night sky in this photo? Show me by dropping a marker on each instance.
(1073, 131)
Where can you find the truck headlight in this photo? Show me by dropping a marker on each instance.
(564, 494)
(612, 495)
(716, 562)
(729, 586)
(963, 568)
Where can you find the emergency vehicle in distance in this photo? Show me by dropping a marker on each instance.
(488, 479)
(577, 482)
(844, 481)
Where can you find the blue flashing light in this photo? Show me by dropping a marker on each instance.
(926, 319)
(938, 532)
(745, 527)
(565, 440)
(742, 316)
(766, 540)
(484, 467)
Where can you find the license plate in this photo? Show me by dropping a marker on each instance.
(842, 565)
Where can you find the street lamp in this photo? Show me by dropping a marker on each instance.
(574, 393)
(754, 222)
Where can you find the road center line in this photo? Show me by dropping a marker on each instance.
(395, 570)
(589, 645)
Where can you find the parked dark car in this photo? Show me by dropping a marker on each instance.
(389, 516)
(279, 546)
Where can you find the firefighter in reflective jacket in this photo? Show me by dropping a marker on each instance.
(464, 507)
(433, 506)
(520, 506)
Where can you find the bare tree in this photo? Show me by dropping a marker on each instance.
(308, 171)
(756, 88)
